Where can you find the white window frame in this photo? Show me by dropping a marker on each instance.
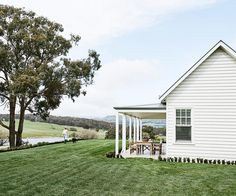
(191, 124)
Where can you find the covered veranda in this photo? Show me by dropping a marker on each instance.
(132, 122)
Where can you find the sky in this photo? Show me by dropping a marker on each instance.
(144, 45)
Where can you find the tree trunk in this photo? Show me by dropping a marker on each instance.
(12, 138)
(21, 124)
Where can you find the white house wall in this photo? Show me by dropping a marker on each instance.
(210, 91)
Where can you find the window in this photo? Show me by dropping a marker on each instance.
(183, 125)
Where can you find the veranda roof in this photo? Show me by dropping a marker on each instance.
(147, 111)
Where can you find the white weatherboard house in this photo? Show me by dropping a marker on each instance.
(199, 108)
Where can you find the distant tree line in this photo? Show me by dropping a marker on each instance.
(69, 121)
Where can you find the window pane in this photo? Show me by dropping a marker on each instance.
(183, 121)
(189, 113)
(177, 112)
(188, 121)
(183, 133)
(178, 121)
(183, 113)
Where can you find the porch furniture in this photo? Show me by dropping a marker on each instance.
(157, 148)
(132, 147)
(142, 146)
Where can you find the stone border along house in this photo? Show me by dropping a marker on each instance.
(199, 108)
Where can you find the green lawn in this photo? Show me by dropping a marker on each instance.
(40, 129)
(82, 169)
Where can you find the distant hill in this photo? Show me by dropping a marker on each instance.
(105, 123)
(155, 123)
(69, 121)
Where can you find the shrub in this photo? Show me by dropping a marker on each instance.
(73, 135)
(160, 139)
(110, 154)
(110, 134)
(3, 138)
(85, 126)
(150, 131)
(41, 144)
(73, 129)
(197, 160)
(3, 135)
(87, 134)
(146, 136)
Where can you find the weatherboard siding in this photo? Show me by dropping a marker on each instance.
(210, 91)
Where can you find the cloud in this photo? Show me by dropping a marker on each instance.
(120, 82)
(97, 21)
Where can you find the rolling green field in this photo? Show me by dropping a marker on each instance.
(82, 169)
(41, 129)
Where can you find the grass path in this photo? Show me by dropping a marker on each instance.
(82, 169)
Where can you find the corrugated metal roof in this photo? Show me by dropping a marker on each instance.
(154, 106)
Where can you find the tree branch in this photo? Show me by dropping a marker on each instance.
(2, 78)
(3, 95)
(3, 125)
(28, 102)
(3, 103)
(6, 76)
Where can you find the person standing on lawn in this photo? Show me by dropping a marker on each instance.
(65, 134)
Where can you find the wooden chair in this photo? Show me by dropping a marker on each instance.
(142, 146)
(132, 147)
(157, 148)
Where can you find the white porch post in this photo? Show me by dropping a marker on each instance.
(134, 123)
(117, 134)
(130, 129)
(123, 133)
(141, 130)
(137, 120)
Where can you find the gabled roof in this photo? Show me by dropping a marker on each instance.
(220, 44)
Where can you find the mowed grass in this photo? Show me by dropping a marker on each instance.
(41, 129)
(83, 169)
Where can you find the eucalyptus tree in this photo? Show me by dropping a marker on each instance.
(35, 71)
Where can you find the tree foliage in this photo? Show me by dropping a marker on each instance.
(153, 131)
(35, 72)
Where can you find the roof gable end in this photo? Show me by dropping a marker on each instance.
(220, 44)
